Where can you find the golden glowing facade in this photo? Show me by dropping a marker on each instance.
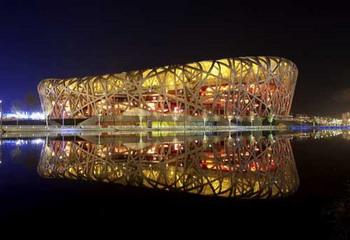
(226, 88)
(225, 165)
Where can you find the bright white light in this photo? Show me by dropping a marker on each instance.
(37, 141)
(26, 115)
(37, 115)
(21, 142)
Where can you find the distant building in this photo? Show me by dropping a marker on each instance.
(225, 88)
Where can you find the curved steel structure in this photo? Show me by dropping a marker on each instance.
(240, 167)
(227, 87)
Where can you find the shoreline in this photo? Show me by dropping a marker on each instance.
(42, 131)
(25, 131)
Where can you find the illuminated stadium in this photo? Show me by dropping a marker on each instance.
(217, 89)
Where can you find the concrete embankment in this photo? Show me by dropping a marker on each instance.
(36, 131)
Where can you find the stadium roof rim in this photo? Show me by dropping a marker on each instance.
(173, 65)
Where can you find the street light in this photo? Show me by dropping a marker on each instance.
(63, 112)
(47, 120)
(99, 120)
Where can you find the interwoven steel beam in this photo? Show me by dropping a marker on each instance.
(227, 87)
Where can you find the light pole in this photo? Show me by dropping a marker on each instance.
(63, 112)
(62, 109)
(229, 118)
(52, 108)
(99, 120)
(47, 120)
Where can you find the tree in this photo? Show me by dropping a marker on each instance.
(175, 117)
(238, 118)
(251, 117)
(270, 137)
(157, 117)
(251, 139)
(205, 117)
(141, 113)
(270, 118)
(258, 120)
(216, 118)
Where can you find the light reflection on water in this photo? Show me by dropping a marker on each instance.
(246, 166)
(90, 176)
(228, 165)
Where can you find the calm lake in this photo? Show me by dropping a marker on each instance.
(263, 182)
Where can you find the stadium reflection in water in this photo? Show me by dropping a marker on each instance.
(236, 166)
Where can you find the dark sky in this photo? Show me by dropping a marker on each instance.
(40, 39)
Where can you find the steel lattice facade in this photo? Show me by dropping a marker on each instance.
(227, 87)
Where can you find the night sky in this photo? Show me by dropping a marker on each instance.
(41, 39)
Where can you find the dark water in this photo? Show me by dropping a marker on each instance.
(277, 185)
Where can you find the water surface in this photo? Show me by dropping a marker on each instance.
(289, 182)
